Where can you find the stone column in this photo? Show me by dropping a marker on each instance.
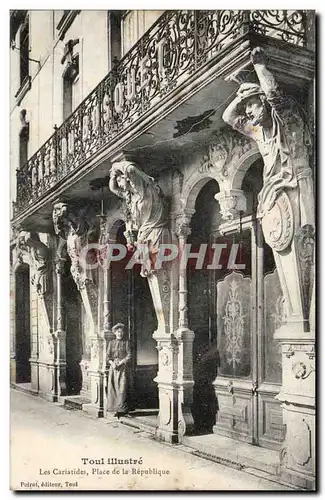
(34, 337)
(57, 345)
(292, 242)
(103, 332)
(185, 336)
(161, 283)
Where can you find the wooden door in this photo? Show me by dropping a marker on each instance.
(248, 310)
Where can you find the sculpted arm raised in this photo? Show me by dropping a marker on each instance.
(267, 81)
(235, 116)
(113, 185)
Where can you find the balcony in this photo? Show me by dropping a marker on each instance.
(180, 46)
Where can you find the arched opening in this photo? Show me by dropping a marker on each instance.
(76, 346)
(22, 322)
(201, 309)
(132, 305)
(246, 308)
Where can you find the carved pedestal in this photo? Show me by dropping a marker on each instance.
(59, 340)
(168, 418)
(293, 248)
(168, 287)
(97, 375)
(185, 381)
(298, 454)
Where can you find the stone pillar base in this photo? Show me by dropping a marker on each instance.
(167, 437)
(97, 378)
(12, 370)
(298, 455)
(185, 381)
(85, 389)
(93, 410)
(34, 374)
(47, 381)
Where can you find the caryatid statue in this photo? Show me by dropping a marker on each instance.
(286, 201)
(274, 120)
(146, 215)
(40, 257)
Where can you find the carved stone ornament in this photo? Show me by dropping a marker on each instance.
(232, 203)
(225, 149)
(165, 358)
(146, 213)
(277, 224)
(305, 239)
(75, 229)
(183, 225)
(39, 254)
(299, 369)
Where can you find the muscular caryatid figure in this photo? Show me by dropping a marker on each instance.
(275, 121)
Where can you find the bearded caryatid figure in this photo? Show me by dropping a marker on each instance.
(276, 122)
(146, 215)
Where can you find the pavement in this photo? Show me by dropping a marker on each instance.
(54, 448)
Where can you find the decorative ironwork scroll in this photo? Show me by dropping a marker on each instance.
(178, 44)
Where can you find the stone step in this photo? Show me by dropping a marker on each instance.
(75, 402)
(231, 452)
(25, 387)
(144, 422)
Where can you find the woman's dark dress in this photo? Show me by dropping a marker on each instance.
(118, 378)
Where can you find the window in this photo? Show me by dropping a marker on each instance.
(134, 24)
(24, 50)
(23, 139)
(114, 37)
(71, 80)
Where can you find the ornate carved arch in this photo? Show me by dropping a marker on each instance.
(228, 158)
(191, 189)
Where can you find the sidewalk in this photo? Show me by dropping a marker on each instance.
(53, 448)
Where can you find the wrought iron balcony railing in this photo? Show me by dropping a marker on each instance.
(179, 43)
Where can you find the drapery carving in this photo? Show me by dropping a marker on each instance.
(74, 229)
(40, 257)
(146, 214)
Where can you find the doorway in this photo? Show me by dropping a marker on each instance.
(74, 344)
(248, 309)
(132, 305)
(234, 313)
(22, 322)
(201, 317)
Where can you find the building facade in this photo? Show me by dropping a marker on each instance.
(186, 130)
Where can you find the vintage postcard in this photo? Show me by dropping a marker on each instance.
(162, 250)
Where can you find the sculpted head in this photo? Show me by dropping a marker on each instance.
(256, 110)
(60, 215)
(119, 172)
(254, 104)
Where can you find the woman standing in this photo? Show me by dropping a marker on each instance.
(118, 359)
